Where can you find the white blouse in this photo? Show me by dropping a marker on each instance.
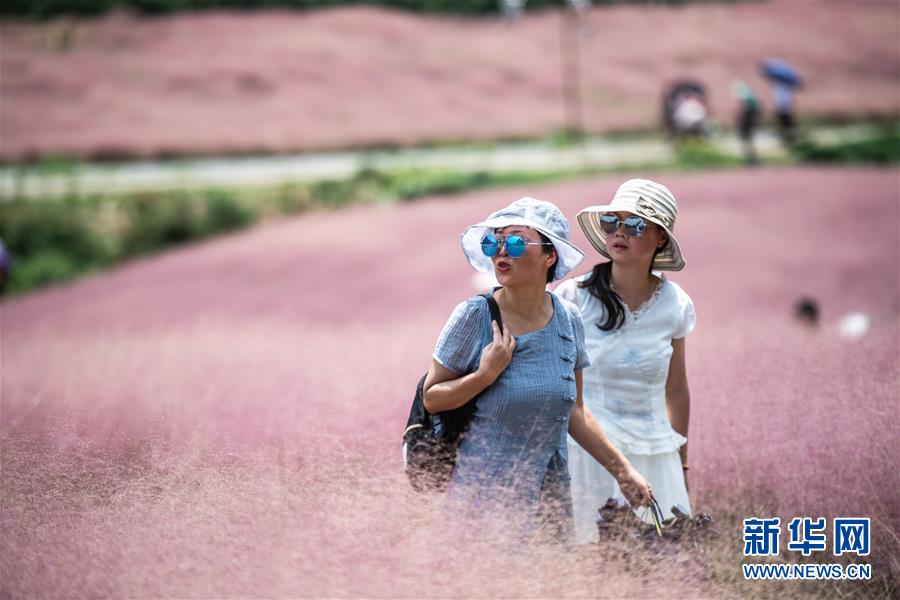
(625, 385)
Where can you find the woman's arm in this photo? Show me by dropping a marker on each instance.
(446, 389)
(678, 398)
(585, 430)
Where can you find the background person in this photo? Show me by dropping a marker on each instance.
(748, 118)
(785, 81)
(6, 264)
(685, 109)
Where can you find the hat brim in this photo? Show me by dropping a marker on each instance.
(569, 255)
(669, 258)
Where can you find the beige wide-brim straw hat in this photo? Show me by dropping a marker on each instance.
(529, 212)
(647, 199)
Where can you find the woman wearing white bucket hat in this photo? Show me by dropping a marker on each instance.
(528, 375)
(636, 321)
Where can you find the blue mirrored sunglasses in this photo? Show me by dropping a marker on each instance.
(634, 226)
(515, 244)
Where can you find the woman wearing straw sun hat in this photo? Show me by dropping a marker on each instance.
(636, 322)
(528, 375)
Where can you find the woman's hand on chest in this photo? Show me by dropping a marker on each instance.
(497, 355)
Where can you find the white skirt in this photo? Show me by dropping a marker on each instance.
(592, 485)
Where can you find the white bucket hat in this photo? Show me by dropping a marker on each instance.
(647, 199)
(529, 212)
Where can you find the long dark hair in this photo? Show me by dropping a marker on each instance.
(600, 287)
(599, 284)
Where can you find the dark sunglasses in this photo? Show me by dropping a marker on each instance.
(634, 226)
(515, 244)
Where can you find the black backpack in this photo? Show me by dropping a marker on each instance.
(431, 440)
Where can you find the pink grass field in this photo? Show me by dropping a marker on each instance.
(276, 81)
(224, 420)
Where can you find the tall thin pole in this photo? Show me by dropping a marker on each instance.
(570, 70)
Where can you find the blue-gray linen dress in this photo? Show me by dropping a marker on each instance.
(513, 455)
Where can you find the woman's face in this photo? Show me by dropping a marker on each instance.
(630, 250)
(531, 266)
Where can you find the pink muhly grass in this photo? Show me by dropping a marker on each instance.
(355, 76)
(224, 421)
(237, 486)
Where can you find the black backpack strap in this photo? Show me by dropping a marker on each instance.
(494, 308)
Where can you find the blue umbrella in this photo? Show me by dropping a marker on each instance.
(778, 70)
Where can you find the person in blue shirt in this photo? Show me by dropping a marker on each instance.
(512, 464)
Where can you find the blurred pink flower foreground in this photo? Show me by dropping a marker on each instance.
(224, 420)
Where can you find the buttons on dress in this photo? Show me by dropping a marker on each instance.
(566, 337)
(567, 358)
(561, 418)
(568, 377)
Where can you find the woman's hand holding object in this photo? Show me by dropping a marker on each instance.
(634, 487)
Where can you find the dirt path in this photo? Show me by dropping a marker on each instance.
(262, 171)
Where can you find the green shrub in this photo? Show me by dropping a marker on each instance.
(332, 194)
(700, 154)
(291, 198)
(881, 149)
(224, 212)
(409, 186)
(43, 268)
(155, 222)
(42, 9)
(30, 228)
(563, 138)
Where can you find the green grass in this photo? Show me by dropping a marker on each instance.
(883, 148)
(700, 154)
(55, 240)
